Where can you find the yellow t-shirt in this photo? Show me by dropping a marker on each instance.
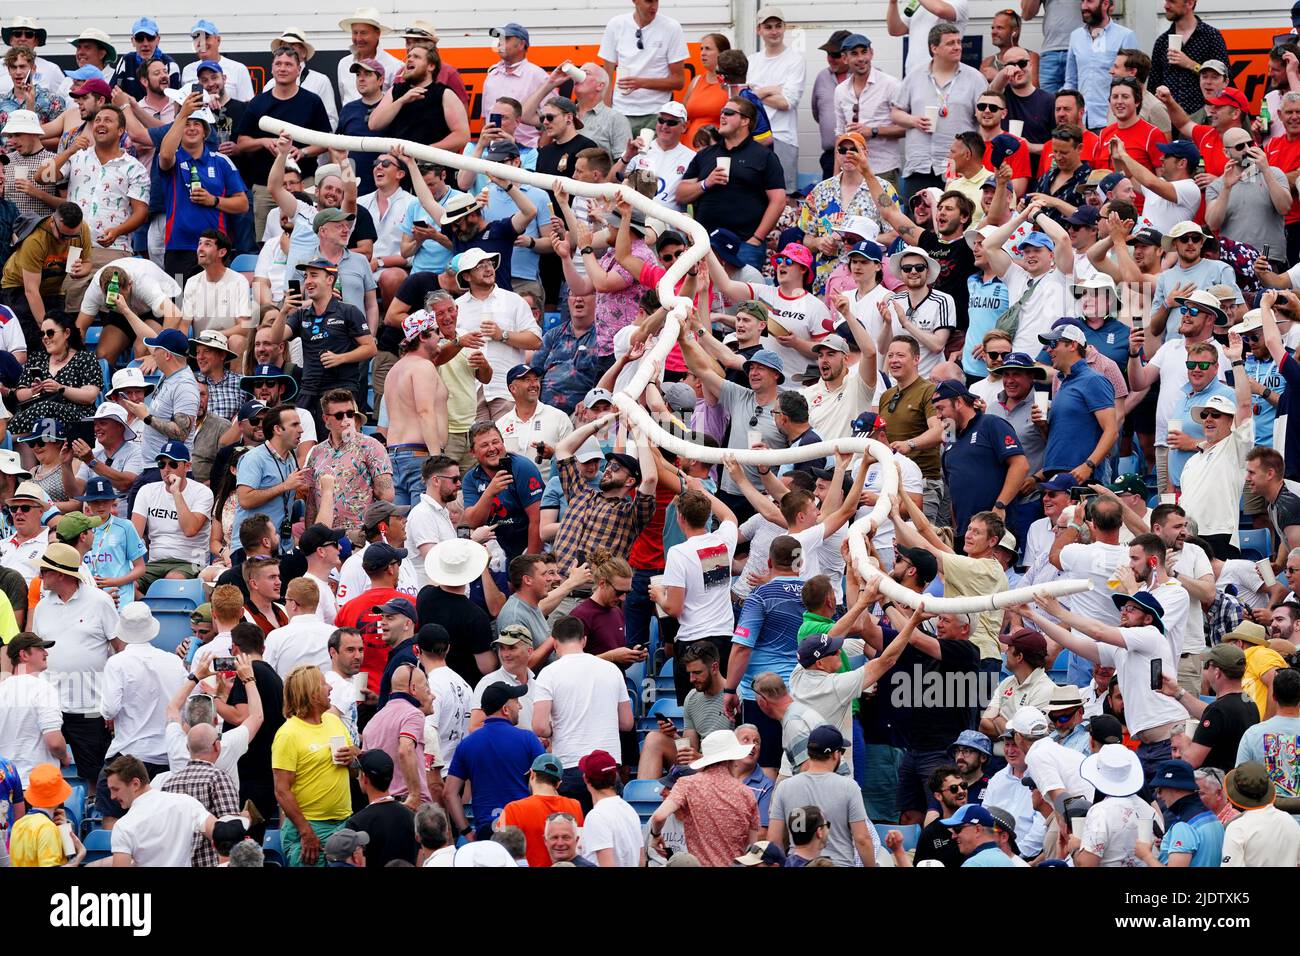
(45, 253)
(8, 622)
(321, 785)
(35, 841)
(965, 577)
(462, 393)
(1259, 661)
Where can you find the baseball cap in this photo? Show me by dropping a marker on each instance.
(818, 646)
(510, 30)
(970, 813)
(1229, 96)
(174, 451)
(854, 39)
(1218, 66)
(513, 634)
(171, 340)
(549, 764)
(597, 395)
(1027, 640)
(1182, 149)
(341, 844)
(95, 86)
(770, 12)
(1036, 238)
(202, 614)
(598, 763)
(74, 524)
(1146, 236)
(630, 464)
(397, 606)
(951, 389)
(1229, 658)
(212, 65)
(868, 250)
(368, 63)
(762, 852)
(674, 109)
(590, 451)
(380, 555)
(1069, 333)
(250, 410)
(146, 25)
(496, 695)
(833, 342)
(926, 566)
(376, 763)
(1083, 216)
(380, 512)
(1030, 722)
(518, 372)
(1106, 729)
(205, 26)
(1129, 485)
(502, 149)
(826, 739)
(332, 214)
(25, 642)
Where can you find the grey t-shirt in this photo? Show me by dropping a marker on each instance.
(1032, 441)
(127, 459)
(841, 803)
(743, 409)
(704, 713)
(177, 394)
(1251, 217)
(516, 611)
(796, 725)
(1060, 19)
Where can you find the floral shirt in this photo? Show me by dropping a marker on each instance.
(718, 812)
(567, 363)
(355, 465)
(822, 214)
(104, 191)
(614, 310)
(49, 106)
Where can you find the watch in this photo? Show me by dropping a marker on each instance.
(193, 678)
(730, 690)
(1090, 464)
(587, 251)
(504, 335)
(1000, 506)
(148, 420)
(875, 131)
(911, 444)
(466, 831)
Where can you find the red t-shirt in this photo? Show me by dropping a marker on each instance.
(360, 613)
(647, 552)
(1019, 160)
(1283, 153)
(1091, 152)
(1210, 143)
(1140, 140)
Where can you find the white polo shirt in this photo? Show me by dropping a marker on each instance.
(1034, 691)
(1263, 837)
(303, 640)
(1055, 767)
(82, 629)
(1212, 481)
(1050, 299)
(548, 424)
(512, 314)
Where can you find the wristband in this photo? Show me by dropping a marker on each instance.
(1239, 362)
(730, 690)
(999, 505)
(1089, 463)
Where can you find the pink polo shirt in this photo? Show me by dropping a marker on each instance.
(397, 719)
(517, 81)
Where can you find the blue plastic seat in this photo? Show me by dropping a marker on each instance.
(272, 851)
(664, 685)
(911, 834)
(190, 590)
(1256, 543)
(644, 797)
(245, 263)
(173, 627)
(99, 844)
(663, 707)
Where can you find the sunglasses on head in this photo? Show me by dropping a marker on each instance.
(914, 267)
(989, 107)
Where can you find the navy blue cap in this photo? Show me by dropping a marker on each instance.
(1147, 601)
(1110, 181)
(98, 489)
(1084, 216)
(265, 373)
(970, 813)
(825, 739)
(1146, 236)
(1020, 362)
(1004, 144)
(250, 410)
(380, 555)
(867, 250)
(1181, 149)
(212, 65)
(951, 388)
(398, 606)
(518, 372)
(174, 450)
(173, 340)
(852, 40)
(46, 429)
(1175, 774)
(1061, 481)
(817, 647)
(726, 246)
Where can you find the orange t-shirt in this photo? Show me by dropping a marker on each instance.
(529, 815)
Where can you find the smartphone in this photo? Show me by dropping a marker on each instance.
(223, 665)
(84, 429)
(1079, 492)
(1157, 674)
(421, 223)
(494, 119)
(196, 88)
(295, 287)
(580, 557)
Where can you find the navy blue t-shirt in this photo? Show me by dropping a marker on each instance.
(976, 466)
(509, 507)
(1073, 430)
(496, 759)
(810, 437)
(304, 109)
(1287, 427)
(498, 237)
(354, 120)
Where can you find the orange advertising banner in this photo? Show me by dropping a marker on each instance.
(474, 63)
(1248, 58)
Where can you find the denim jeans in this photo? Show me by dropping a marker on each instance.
(407, 483)
(752, 255)
(638, 609)
(1051, 71)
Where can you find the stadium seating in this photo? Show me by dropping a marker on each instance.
(173, 627)
(99, 845)
(644, 796)
(272, 850)
(911, 834)
(175, 595)
(1255, 543)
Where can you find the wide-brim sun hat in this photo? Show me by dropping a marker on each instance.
(1114, 770)
(896, 260)
(136, 624)
(721, 746)
(455, 562)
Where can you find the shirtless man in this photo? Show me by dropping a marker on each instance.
(416, 399)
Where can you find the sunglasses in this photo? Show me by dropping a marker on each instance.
(547, 117)
(893, 403)
(669, 256)
(385, 163)
(1250, 336)
(729, 112)
(1062, 717)
(1191, 237)
(786, 261)
(996, 356)
(22, 33)
(1191, 310)
(621, 592)
(1018, 64)
(668, 121)
(1210, 414)
(845, 149)
(165, 463)
(956, 788)
(914, 267)
(339, 416)
(23, 509)
(49, 333)
(141, 37)
(455, 479)
(640, 44)
(989, 107)
(1203, 366)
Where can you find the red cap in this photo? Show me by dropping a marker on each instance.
(1027, 640)
(93, 85)
(1231, 96)
(597, 764)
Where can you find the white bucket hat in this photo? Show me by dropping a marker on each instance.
(455, 562)
(1252, 321)
(136, 624)
(118, 414)
(22, 121)
(368, 16)
(291, 36)
(129, 377)
(721, 746)
(897, 259)
(472, 258)
(1114, 770)
(11, 464)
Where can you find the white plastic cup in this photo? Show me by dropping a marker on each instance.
(1042, 401)
(753, 438)
(1175, 424)
(657, 580)
(1016, 127)
(22, 172)
(65, 833)
(337, 744)
(1265, 569)
(681, 744)
(74, 256)
(360, 681)
(724, 164)
(648, 137)
(1175, 43)
(1146, 830)
(1076, 826)
(575, 73)
(1169, 499)
(932, 114)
